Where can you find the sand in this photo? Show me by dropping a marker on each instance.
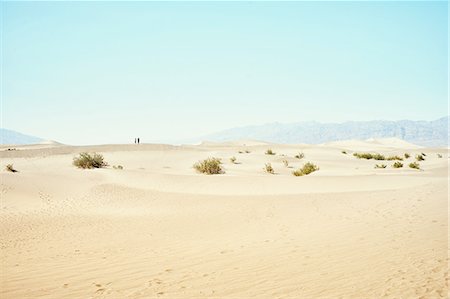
(158, 229)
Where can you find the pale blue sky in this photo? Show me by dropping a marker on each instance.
(106, 72)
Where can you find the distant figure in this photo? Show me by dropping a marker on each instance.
(135, 140)
(138, 140)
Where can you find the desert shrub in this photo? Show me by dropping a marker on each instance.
(439, 155)
(233, 160)
(270, 152)
(10, 168)
(380, 165)
(423, 154)
(306, 169)
(300, 156)
(390, 158)
(88, 161)
(118, 167)
(209, 166)
(240, 152)
(247, 151)
(420, 158)
(344, 152)
(407, 156)
(397, 165)
(414, 165)
(268, 168)
(369, 156)
(286, 163)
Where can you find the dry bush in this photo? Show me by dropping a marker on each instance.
(270, 152)
(300, 156)
(268, 168)
(420, 157)
(414, 165)
(120, 167)
(10, 168)
(407, 156)
(233, 160)
(88, 161)
(397, 165)
(369, 156)
(391, 158)
(209, 166)
(286, 163)
(380, 165)
(306, 169)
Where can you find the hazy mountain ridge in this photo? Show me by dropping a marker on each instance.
(427, 133)
(13, 137)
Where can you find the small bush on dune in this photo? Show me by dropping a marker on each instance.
(118, 167)
(247, 151)
(344, 152)
(420, 158)
(380, 165)
(233, 160)
(270, 152)
(286, 163)
(268, 168)
(407, 156)
(423, 154)
(439, 155)
(88, 161)
(300, 156)
(10, 168)
(240, 152)
(390, 158)
(414, 165)
(306, 169)
(397, 165)
(369, 156)
(209, 166)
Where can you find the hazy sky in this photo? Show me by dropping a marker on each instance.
(106, 72)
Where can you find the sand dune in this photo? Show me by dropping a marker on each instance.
(158, 229)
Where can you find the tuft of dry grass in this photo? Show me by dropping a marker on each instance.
(344, 152)
(10, 168)
(306, 169)
(209, 166)
(268, 168)
(439, 156)
(407, 155)
(88, 161)
(233, 160)
(286, 163)
(120, 167)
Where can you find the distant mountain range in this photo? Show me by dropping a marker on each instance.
(427, 133)
(13, 137)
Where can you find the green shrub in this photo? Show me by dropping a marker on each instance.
(397, 165)
(380, 165)
(390, 158)
(233, 160)
(270, 152)
(88, 161)
(268, 168)
(286, 163)
(10, 168)
(414, 165)
(300, 156)
(209, 166)
(420, 158)
(306, 169)
(407, 156)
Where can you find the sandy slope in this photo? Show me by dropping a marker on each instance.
(158, 230)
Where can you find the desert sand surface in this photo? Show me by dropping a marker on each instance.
(158, 229)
